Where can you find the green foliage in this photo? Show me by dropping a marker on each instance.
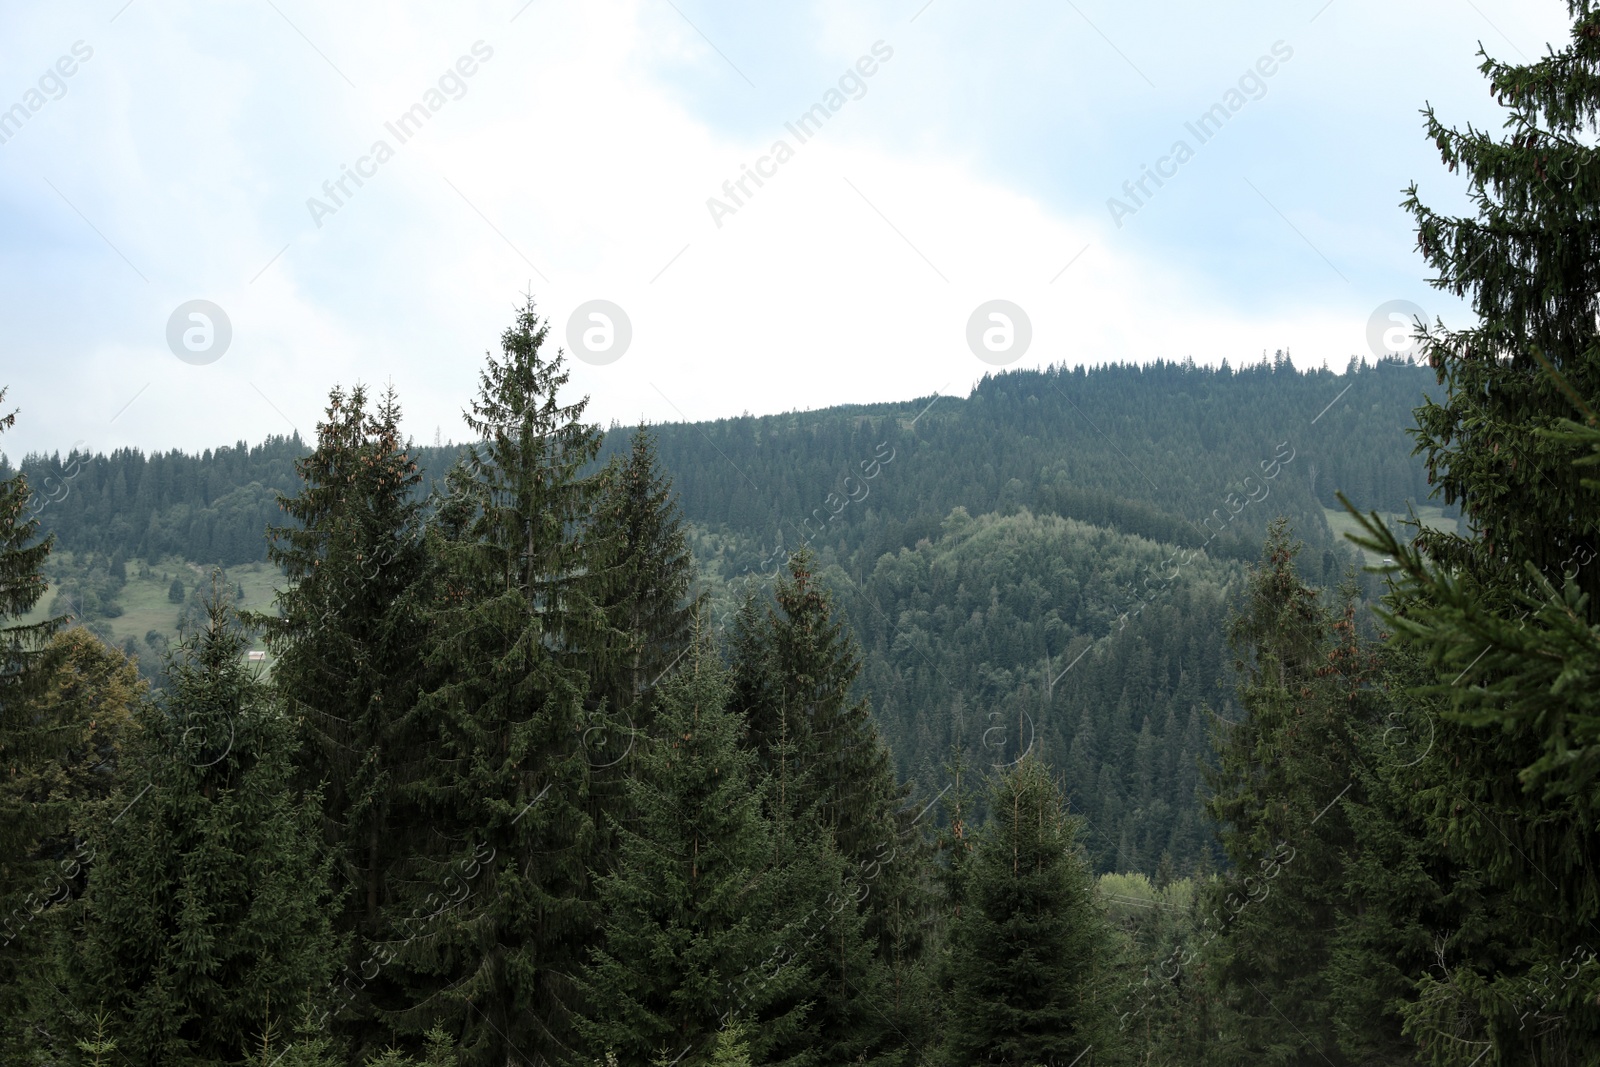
(839, 815)
(211, 506)
(1154, 936)
(1282, 771)
(569, 834)
(440, 1053)
(30, 741)
(1204, 428)
(87, 711)
(691, 904)
(206, 902)
(100, 1046)
(349, 637)
(1020, 447)
(1019, 631)
(646, 573)
(811, 733)
(732, 1048)
(514, 637)
(1029, 948)
(1508, 613)
(22, 656)
(641, 578)
(1083, 443)
(1403, 897)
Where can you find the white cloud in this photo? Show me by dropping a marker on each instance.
(195, 136)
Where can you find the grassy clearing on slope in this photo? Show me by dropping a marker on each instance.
(1341, 522)
(144, 599)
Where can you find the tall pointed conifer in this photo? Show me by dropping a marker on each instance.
(516, 641)
(690, 906)
(646, 574)
(29, 742)
(348, 642)
(1027, 951)
(1509, 608)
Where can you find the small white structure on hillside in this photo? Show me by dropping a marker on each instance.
(255, 657)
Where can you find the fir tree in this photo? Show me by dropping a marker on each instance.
(835, 988)
(87, 707)
(646, 574)
(28, 744)
(750, 685)
(24, 659)
(1402, 894)
(642, 585)
(1282, 775)
(796, 668)
(732, 1048)
(955, 843)
(839, 762)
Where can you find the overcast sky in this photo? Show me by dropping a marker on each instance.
(157, 153)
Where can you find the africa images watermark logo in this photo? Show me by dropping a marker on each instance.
(52, 81)
(1203, 129)
(405, 127)
(852, 81)
(1392, 330)
(599, 332)
(199, 332)
(999, 332)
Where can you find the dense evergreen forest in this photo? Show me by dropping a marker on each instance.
(1051, 565)
(1048, 725)
(1165, 446)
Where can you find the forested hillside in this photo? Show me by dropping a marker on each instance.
(210, 508)
(1153, 451)
(978, 546)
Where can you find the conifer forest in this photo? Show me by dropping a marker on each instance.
(1113, 714)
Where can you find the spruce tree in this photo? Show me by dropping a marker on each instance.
(515, 640)
(1402, 893)
(25, 659)
(1028, 948)
(642, 580)
(1280, 775)
(206, 912)
(1509, 609)
(832, 1004)
(28, 745)
(690, 906)
(840, 763)
(836, 803)
(349, 640)
(646, 573)
(955, 843)
(750, 686)
(86, 707)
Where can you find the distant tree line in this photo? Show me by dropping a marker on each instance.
(1151, 450)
